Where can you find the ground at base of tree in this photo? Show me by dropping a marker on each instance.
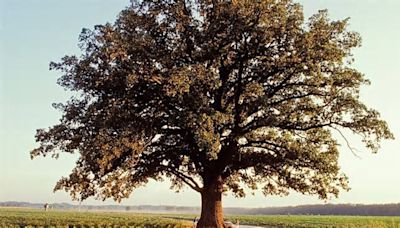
(26, 217)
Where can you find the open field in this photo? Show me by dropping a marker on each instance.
(318, 221)
(20, 217)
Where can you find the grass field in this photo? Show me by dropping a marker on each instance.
(22, 217)
(319, 221)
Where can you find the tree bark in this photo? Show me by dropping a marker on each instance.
(211, 205)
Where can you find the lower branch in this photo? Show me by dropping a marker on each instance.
(186, 179)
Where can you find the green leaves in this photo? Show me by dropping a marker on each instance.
(243, 91)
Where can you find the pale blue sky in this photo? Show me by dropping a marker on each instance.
(35, 32)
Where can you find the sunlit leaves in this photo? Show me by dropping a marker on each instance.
(241, 92)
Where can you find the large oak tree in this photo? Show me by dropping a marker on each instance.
(213, 94)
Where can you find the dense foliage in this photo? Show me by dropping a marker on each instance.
(212, 94)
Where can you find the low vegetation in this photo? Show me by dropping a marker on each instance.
(23, 217)
(312, 221)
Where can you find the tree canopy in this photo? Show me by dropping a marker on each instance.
(212, 94)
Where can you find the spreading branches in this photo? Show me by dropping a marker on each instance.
(227, 92)
(185, 178)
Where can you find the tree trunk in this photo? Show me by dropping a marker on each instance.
(211, 205)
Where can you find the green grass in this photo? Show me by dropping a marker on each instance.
(318, 221)
(23, 217)
(313, 221)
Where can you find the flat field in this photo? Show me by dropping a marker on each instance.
(314, 221)
(23, 217)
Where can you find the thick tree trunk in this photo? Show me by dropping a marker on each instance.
(211, 205)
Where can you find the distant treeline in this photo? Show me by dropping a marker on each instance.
(320, 209)
(324, 209)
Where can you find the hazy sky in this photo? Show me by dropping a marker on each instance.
(35, 32)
